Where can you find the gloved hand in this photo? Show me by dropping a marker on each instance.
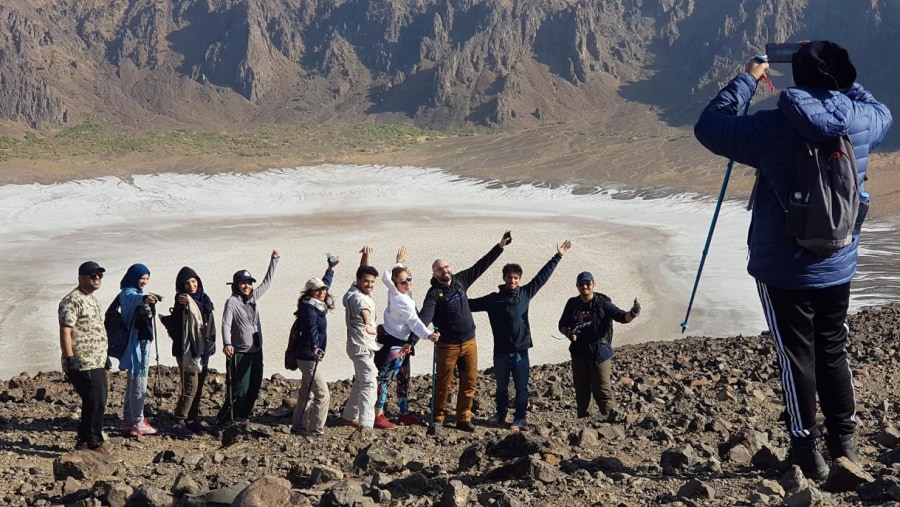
(636, 308)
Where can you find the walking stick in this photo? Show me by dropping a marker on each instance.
(156, 388)
(715, 217)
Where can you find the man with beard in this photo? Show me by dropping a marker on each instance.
(446, 306)
(82, 339)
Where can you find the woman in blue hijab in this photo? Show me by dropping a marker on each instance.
(138, 313)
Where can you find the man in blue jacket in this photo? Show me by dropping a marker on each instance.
(805, 296)
(507, 310)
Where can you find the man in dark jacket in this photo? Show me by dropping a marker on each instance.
(507, 310)
(805, 296)
(587, 321)
(446, 306)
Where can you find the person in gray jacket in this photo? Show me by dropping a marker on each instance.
(242, 336)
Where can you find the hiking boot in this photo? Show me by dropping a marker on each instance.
(409, 420)
(196, 427)
(382, 423)
(842, 445)
(805, 453)
(298, 430)
(181, 432)
(101, 449)
(142, 428)
(466, 426)
(518, 425)
(496, 420)
(81, 446)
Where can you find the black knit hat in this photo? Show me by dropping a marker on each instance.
(823, 65)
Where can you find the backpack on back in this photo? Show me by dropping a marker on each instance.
(117, 332)
(823, 205)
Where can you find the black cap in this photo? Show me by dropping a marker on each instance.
(90, 268)
(242, 276)
(823, 65)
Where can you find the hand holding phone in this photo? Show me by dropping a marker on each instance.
(506, 239)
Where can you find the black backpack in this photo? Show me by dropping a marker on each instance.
(823, 204)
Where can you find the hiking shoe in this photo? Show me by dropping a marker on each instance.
(518, 425)
(805, 453)
(842, 445)
(143, 428)
(125, 428)
(298, 430)
(81, 446)
(181, 432)
(100, 449)
(496, 420)
(466, 426)
(196, 427)
(382, 423)
(409, 420)
(348, 422)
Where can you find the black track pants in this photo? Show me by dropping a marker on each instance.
(810, 332)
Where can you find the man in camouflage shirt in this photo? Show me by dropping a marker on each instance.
(83, 341)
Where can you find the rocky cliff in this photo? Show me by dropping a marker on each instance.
(440, 63)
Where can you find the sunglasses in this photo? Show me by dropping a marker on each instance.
(585, 284)
(408, 280)
(95, 276)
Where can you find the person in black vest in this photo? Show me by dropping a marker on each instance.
(587, 322)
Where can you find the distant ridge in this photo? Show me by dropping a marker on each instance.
(149, 64)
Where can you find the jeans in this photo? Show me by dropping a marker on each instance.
(450, 356)
(92, 387)
(135, 397)
(245, 375)
(360, 405)
(188, 407)
(517, 365)
(313, 389)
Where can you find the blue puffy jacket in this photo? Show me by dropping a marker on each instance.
(766, 140)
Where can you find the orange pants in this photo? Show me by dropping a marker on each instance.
(449, 357)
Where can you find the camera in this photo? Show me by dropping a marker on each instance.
(782, 52)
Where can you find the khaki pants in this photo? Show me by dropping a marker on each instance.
(188, 407)
(449, 356)
(314, 390)
(591, 378)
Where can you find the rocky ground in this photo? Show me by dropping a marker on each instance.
(697, 424)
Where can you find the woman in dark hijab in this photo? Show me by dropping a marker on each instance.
(193, 333)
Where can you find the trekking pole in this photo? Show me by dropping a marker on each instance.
(433, 377)
(715, 217)
(229, 379)
(157, 387)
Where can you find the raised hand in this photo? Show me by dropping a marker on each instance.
(563, 248)
(506, 239)
(275, 254)
(636, 308)
(401, 255)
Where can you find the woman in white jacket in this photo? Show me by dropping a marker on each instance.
(399, 334)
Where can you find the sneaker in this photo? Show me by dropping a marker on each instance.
(298, 430)
(125, 428)
(496, 420)
(142, 428)
(466, 426)
(382, 423)
(804, 453)
(842, 445)
(81, 446)
(409, 420)
(518, 425)
(181, 432)
(348, 422)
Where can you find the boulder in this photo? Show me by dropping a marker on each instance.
(83, 465)
(264, 492)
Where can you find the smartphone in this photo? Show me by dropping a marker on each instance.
(507, 236)
(783, 52)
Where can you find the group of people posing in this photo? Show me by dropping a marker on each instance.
(380, 351)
